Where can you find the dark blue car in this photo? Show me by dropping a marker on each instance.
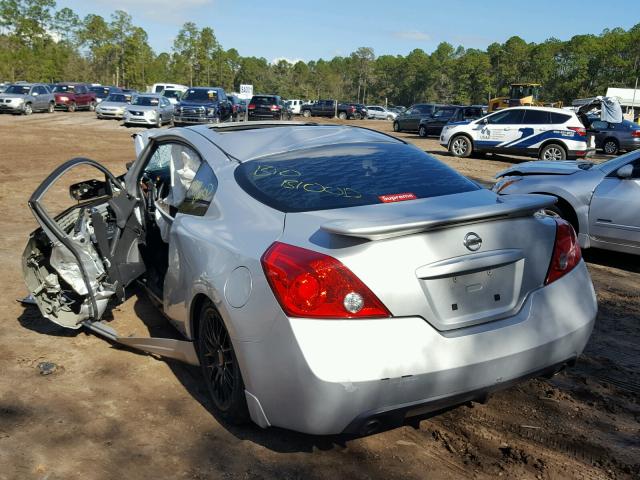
(203, 105)
(615, 137)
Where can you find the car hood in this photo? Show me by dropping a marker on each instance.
(113, 104)
(567, 167)
(142, 108)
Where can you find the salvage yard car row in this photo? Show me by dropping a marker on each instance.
(543, 132)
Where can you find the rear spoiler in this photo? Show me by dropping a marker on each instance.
(376, 229)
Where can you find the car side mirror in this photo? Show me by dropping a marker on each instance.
(625, 172)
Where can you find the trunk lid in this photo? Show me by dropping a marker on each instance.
(455, 260)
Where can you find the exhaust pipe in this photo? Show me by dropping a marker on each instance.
(370, 427)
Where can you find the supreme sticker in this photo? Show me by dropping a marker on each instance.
(396, 197)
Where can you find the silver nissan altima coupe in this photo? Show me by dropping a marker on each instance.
(326, 278)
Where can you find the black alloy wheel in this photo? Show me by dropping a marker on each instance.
(220, 366)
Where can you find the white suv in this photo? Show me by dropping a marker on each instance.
(543, 132)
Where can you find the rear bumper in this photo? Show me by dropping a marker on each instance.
(333, 376)
(574, 154)
(264, 115)
(631, 144)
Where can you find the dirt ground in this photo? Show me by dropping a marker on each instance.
(108, 411)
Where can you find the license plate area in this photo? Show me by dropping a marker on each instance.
(462, 299)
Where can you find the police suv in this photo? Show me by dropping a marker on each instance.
(543, 132)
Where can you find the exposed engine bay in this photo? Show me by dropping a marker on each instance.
(54, 275)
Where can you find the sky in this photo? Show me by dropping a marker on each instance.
(308, 30)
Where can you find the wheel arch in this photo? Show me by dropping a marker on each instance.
(566, 208)
(463, 134)
(194, 319)
(556, 141)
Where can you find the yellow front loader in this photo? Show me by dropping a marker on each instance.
(521, 94)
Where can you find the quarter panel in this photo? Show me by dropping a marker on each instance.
(204, 251)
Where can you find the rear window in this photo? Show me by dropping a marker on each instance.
(264, 100)
(348, 175)
(444, 112)
(559, 117)
(536, 117)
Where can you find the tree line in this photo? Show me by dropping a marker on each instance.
(39, 42)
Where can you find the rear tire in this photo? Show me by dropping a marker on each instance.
(71, 107)
(396, 127)
(220, 366)
(51, 108)
(460, 146)
(422, 131)
(389, 117)
(342, 116)
(306, 113)
(611, 146)
(92, 107)
(28, 109)
(553, 152)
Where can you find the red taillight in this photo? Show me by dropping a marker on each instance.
(252, 106)
(635, 133)
(313, 285)
(566, 252)
(275, 108)
(579, 130)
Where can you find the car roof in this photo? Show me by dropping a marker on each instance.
(205, 88)
(259, 139)
(543, 109)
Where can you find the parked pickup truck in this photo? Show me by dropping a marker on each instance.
(326, 108)
(203, 105)
(74, 96)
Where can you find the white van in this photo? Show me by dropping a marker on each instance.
(159, 87)
(295, 106)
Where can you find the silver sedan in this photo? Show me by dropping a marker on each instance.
(148, 109)
(601, 201)
(326, 278)
(113, 106)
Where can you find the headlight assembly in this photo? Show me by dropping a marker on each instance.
(504, 182)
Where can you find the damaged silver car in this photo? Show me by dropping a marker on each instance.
(326, 278)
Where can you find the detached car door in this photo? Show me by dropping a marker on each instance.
(613, 212)
(78, 259)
